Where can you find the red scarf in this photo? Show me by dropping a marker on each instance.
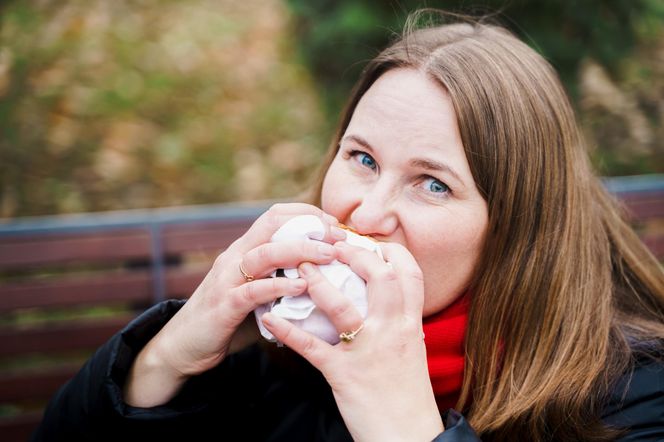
(444, 339)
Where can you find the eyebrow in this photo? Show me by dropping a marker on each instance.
(420, 163)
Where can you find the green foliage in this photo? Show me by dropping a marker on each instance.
(122, 104)
(334, 36)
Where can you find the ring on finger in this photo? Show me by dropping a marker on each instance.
(247, 277)
(350, 335)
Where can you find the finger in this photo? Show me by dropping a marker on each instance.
(383, 287)
(309, 226)
(332, 231)
(337, 306)
(311, 348)
(248, 296)
(302, 208)
(410, 277)
(266, 258)
(276, 216)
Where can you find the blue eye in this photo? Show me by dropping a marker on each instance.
(366, 160)
(436, 186)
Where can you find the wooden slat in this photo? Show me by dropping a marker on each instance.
(29, 386)
(41, 385)
(69, 336)
(39, 250)
(644, 206)
(182, 283)
(69, 291)
(19, 428)
(202, 237)
(134, 286)
(655, 244)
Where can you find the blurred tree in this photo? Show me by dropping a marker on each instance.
(108, 105)
(337, 37)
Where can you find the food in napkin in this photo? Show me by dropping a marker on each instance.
(301, 310)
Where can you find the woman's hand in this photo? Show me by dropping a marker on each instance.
(380, 378)
(197, 338)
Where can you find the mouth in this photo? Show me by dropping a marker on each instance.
(350, 229)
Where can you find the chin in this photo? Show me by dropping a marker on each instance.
(431, 308)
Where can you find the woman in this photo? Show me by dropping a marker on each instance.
(543, 313)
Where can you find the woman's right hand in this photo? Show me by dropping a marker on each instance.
(197, 338)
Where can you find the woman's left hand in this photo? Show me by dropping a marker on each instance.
(380, 378)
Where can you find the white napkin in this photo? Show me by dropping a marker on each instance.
(301, 310)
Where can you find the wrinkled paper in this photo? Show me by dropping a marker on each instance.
(301, 310)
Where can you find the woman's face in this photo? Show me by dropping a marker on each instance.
(401, 175)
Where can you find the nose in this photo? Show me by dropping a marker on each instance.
(375, 212)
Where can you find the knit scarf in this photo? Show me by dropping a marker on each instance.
(444, 340)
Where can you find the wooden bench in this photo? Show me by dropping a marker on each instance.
(67, 283)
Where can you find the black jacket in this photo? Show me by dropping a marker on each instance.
(254, 397)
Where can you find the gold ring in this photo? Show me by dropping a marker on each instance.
(349, 336)
(247, 276)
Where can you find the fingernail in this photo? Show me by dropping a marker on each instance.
(337, 233)
(267, 319)
(306, 268)
(325, 250)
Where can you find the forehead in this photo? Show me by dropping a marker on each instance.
(405, 108)
(405, 87)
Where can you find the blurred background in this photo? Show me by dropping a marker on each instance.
(146, 103)
(140, 104)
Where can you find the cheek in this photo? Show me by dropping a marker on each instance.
(333, 193)
(327, 200)
(448, 263)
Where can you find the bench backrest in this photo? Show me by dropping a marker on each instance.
(68, 283)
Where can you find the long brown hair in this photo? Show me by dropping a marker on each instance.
(565, 295)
